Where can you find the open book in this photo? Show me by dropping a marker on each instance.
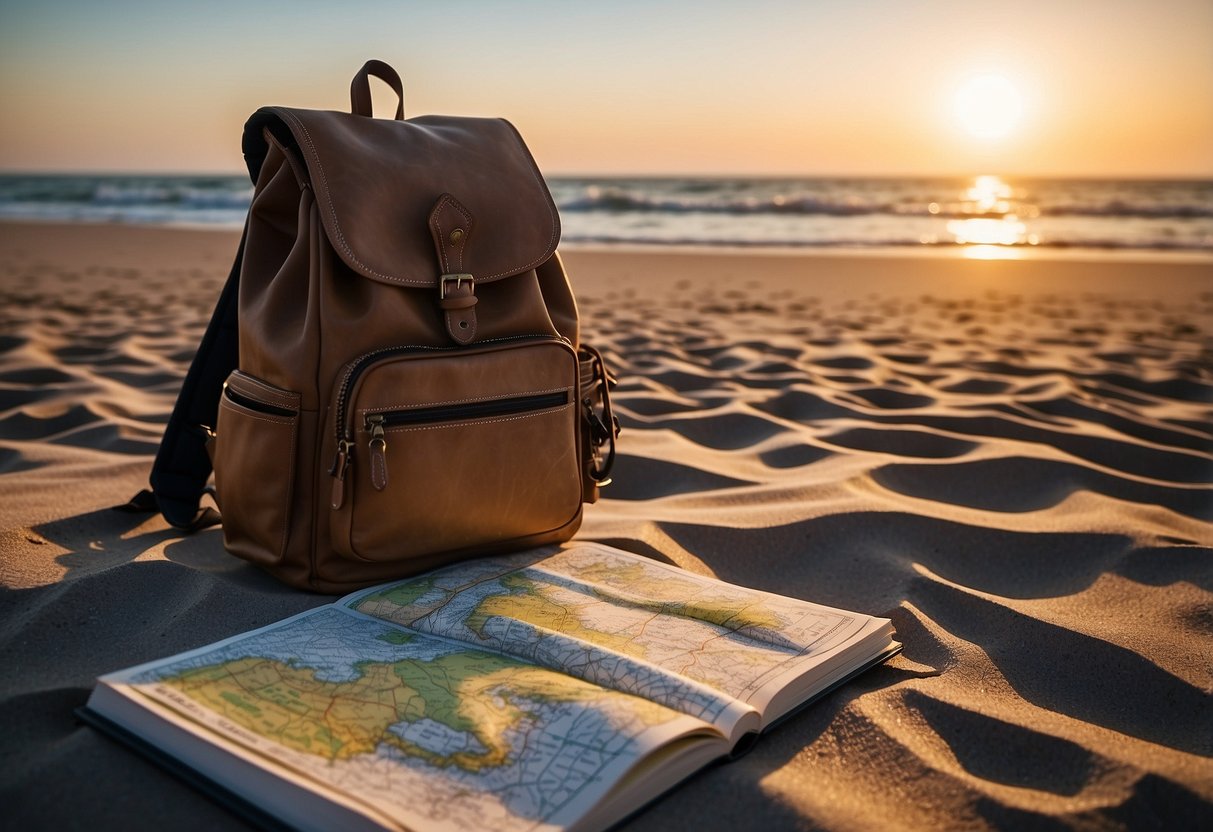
(543, 690)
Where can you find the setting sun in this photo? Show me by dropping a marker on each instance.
(988, 106)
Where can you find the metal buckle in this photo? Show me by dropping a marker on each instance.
(457, 279)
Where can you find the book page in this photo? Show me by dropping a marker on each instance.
(427, 732)
(692, 643)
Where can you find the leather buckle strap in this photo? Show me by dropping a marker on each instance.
(457, 299)
(451, 225)
(451, 283)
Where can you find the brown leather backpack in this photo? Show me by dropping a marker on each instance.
(392, 378)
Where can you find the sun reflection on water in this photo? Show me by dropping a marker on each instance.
(990, 225)
(987, 231)
(990, 194)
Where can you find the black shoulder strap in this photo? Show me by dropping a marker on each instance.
(182, 464)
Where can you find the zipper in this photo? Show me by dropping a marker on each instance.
(254, 404)
(356, 367)
(376, 423)
(343, 426)
(459, 412)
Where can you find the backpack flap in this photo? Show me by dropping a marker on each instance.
(409, 202)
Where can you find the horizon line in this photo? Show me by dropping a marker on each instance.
(1144, 177)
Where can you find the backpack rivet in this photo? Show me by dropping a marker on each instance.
(456, 236)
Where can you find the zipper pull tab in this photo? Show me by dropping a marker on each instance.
(378, 447)
(340, 465)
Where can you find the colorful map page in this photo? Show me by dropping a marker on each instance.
(618, 620)
(428, 731)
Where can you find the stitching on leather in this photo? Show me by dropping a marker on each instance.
(349, 367)
(454, 316)
(261, 394)
(551, 209)
(466, 422)
(293, 423)
(446, 267)
(465, 401)
(311, 146)
(287, 397)
(328, 197)
(467, 235)
(300, 177)
(290, 492)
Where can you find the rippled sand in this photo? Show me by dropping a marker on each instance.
(1013, 461)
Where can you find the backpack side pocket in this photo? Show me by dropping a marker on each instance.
(254, 455)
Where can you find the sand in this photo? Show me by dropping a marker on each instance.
(1012, 460)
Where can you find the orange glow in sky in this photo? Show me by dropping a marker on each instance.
(1118, 88)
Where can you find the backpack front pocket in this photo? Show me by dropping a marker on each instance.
(254, 459)
(448, 450)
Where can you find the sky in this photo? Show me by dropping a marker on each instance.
(818, 87)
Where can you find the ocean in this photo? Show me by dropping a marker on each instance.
(993, 212)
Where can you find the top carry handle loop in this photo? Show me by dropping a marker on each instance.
(360, 88)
